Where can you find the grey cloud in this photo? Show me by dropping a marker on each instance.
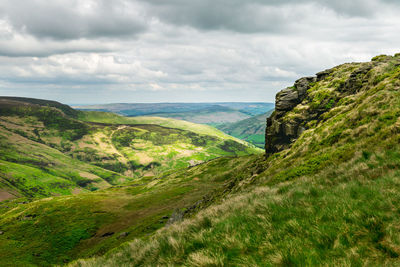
(257, 15)
(240, 16)
(197, 50)
(73, 19)
(16, 49)
(68, 20)
(249, 16)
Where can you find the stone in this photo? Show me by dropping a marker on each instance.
(176, 216)
(323, 74)
(123, 234)
(1, 232)
(357, 78)
(290, 97)
(286, 99)
(303, 84)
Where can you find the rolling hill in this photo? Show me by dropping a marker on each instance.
(47, 150)
(205, 113)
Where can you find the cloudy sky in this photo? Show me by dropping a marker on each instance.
(105, 51)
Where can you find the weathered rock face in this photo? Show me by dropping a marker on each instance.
(280, 134)
(283, 129)
(356, 80)
(285, 125)
(290, 97)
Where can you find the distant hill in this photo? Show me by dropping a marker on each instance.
(206, 113)
(251, 130)
(48, 148)
(209, 115)
(10, 100)
(249, 108)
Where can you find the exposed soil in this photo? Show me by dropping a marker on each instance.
(4, 195)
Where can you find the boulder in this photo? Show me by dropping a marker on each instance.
(302, 85)
(176, 216)
(286, 99)
(123, 234)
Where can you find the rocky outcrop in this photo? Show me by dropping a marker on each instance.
(285, 125)
(356, 80)
(280, 134)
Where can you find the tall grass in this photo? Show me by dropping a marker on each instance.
(331, 200)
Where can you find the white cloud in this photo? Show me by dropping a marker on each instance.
(200, 50)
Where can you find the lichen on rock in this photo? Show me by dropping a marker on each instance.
(309, 101)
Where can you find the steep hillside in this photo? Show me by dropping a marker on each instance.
(251, 130)
(151, 145)
(328, 193)
(46, 150)
(57, 230)
(32, 162)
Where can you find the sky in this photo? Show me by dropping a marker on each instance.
(112, 51)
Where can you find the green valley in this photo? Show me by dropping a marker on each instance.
(50, 149)
(199, 133)
(326, 192)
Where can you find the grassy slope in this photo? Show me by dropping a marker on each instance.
(251, 130)
(31, 165)
(45, 152)
(58, 229)
(106, 117)
(154, 145)
(332, 199)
